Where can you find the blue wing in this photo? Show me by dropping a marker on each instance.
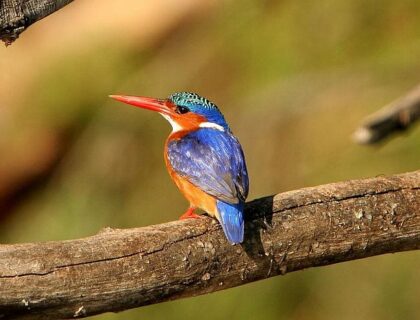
(213, 161)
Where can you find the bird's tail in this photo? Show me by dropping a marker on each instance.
(232, 220)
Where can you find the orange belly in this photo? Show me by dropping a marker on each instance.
(197, 197)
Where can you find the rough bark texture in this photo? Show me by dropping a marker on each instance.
(397, 116)
(17, 15)
(120, 269)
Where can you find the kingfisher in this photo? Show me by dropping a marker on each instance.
(203, 158)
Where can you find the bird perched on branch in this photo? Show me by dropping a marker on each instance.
(203, 157)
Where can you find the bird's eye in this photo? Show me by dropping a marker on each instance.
(181, 109)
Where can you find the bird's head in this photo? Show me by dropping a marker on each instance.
(184, 110)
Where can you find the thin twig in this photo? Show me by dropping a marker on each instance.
(17, 15)
(395, 117)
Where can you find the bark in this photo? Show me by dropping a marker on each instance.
(398, 116)
(17, 15)
(121, 269)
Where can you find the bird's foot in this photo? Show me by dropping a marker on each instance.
(189, 214)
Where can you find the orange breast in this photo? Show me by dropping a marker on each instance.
(197, 197)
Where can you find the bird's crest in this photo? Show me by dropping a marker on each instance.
(191, 99)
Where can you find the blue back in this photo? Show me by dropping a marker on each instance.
(199, 105)
(213, 161)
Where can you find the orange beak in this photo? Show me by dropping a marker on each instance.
(145, 103)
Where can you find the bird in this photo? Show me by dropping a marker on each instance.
(203, 158)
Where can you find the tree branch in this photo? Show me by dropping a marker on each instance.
(17, 15)
(120, 269)
(399, 115)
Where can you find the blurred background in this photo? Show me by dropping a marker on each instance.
(294, 79)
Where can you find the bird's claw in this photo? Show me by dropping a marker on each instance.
(189, 214)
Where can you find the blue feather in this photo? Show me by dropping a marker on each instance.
(213, 161)
(232, 221)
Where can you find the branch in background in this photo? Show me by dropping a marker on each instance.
(17, 15)
(397, 116)
(121, 269)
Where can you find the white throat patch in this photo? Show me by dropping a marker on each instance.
(175, 126)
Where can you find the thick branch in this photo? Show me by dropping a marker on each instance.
(17, 15)
(396, 116)
(121, 269)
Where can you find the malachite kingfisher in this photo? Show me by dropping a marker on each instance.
(203, 157)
